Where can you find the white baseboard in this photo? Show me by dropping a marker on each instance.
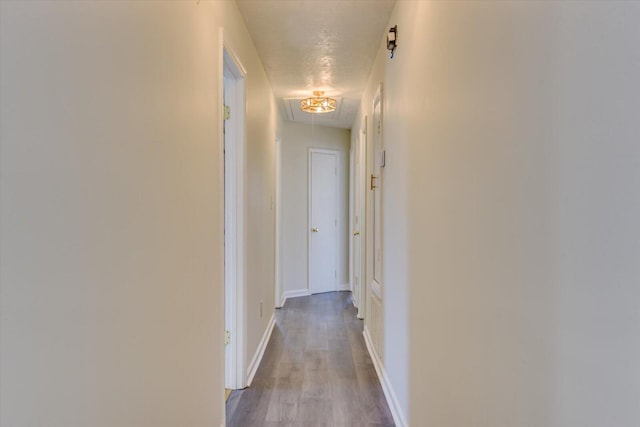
(344, 287)
(257, 358)
(294, 294)
(396, 411)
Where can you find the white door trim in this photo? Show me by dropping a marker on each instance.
(352, 225)
(362, 222)
(309, 224)
(279, 297)
(232, 87)
(376, 172)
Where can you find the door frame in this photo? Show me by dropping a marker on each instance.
(352, 223)
(232, 93)
(376, 287)
(278, 208)
(360, 181)
(335, 153)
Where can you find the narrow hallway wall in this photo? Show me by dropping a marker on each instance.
(111, 278)
(511, 131)
(263, 123)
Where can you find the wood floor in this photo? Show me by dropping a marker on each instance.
(316, 371)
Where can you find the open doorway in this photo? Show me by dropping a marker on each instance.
(234, 265)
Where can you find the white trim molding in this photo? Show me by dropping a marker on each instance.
(344, 287)
(376, 289)
(232, 155)
(392, 400)
(278, 242)
(257, 358)
(294, 294)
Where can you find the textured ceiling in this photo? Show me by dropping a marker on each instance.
(308, 45)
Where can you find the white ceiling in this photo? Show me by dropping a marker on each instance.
(308, 45)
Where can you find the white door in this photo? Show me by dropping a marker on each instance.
(376, 185)
(357, 223)
(375, 303)
(323, 220)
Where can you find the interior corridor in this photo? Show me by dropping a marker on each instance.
(160, 162)
(315, 371)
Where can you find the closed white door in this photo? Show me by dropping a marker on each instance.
(376, 190)
(357, 223)
(323, 220)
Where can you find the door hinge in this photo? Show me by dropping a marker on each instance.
(227, 112)
(227, 337)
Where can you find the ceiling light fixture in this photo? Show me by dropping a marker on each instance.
(318, 103)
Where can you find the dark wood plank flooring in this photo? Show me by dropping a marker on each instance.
(316, 371)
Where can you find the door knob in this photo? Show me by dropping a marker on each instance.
(356, 233)
(315, 229)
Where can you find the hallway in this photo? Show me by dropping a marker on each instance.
(488, 196)
(316, 371)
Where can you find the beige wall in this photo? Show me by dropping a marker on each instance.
(262, 125)
(511, 209)
(111, 252)
(296, 140)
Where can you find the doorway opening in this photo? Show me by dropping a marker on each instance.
(234, 264)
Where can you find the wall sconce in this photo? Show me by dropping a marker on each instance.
(392, 39)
